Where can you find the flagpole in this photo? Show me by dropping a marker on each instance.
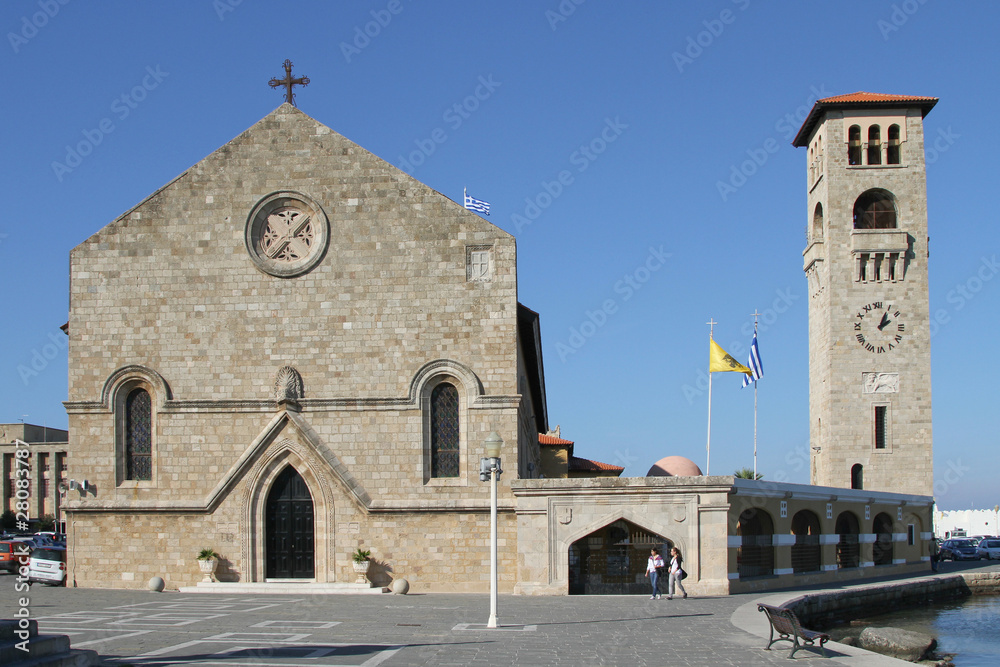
(755, 314)
(708, 445)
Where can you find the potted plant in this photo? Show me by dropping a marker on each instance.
(361, 558)
(208, 560)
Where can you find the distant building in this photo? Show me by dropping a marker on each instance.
(558, 461)
(47, 465)
(966, 523)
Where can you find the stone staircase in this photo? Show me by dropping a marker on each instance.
(43, 650)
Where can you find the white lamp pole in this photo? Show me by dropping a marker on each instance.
(491, 466)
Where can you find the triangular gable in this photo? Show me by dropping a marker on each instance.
(290, 121)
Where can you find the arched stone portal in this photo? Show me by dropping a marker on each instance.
(612, 560)
(289, 539)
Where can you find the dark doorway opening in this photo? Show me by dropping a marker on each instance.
(289, 528)
(612, 560)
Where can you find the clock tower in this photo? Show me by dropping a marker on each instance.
(869, 315)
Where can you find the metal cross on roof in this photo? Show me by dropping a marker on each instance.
(288, 82)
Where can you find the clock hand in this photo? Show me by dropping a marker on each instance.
(885, 321)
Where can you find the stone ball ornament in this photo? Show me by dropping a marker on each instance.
(156, 584)
(400, 586)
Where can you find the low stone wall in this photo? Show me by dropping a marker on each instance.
(818, 610)
(983, 583)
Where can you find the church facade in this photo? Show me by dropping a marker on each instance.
(292, 351)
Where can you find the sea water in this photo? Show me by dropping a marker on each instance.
(968, 628)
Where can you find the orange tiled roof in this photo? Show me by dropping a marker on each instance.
(544, 439)
(862, 96)
(576, 463)
(859, 99)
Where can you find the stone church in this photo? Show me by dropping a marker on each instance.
(291, 351)
(294, 350)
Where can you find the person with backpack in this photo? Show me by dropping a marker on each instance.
(654, 566)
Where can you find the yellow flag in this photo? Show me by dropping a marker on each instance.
(720, 361)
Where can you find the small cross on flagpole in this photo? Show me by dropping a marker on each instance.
(288, 82)
(708, 445)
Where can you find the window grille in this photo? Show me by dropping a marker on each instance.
(445, 436)
(138, 435)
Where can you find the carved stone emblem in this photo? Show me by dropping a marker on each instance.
(564, 514)
(680, 513)
(287, 385)
(880, 383)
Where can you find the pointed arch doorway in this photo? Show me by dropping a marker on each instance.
(289, 543)
(612, 560)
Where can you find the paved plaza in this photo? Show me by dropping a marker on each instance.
(170, 628)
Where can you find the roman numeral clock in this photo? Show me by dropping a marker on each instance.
(866, 269)
(879, 327)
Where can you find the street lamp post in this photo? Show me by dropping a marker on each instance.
(489, 469)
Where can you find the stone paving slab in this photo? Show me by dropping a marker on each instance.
(143, 628)
(173, 628)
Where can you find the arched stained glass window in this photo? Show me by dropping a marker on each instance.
(138, 435)
(444, 431)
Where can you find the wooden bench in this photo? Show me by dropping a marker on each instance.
(786, 624)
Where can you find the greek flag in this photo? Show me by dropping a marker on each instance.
(477, 205)
(756, 367)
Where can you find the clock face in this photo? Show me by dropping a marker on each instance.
(879, 326)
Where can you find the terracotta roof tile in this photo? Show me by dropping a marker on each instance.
(862, 96)
(578, 464)
(552, 440)
(862, 100)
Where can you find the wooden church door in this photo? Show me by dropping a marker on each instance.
(289, 528)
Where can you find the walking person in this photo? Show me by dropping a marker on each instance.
(653, 568)
(676, 573)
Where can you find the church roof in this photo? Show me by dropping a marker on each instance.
(576, 464)
(859, 100)
(544, 439)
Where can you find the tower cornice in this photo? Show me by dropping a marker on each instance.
(859, 100)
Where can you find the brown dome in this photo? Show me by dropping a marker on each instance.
(674, 466)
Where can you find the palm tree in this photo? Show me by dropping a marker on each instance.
(747, 473)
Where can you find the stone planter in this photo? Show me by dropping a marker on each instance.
(362, 570)
(208, 568)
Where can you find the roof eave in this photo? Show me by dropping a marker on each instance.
(819, 108)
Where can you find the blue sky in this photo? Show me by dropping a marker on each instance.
(600, 133)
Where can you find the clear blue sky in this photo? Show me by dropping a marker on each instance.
(669, 95)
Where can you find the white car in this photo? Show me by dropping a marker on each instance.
(47, 565)
(989, 548)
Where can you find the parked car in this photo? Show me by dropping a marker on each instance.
(10, 554)
(989, 548)
(47, 565)
(962, 549)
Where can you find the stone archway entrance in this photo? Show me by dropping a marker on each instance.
(289, 540)
(612, 560)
